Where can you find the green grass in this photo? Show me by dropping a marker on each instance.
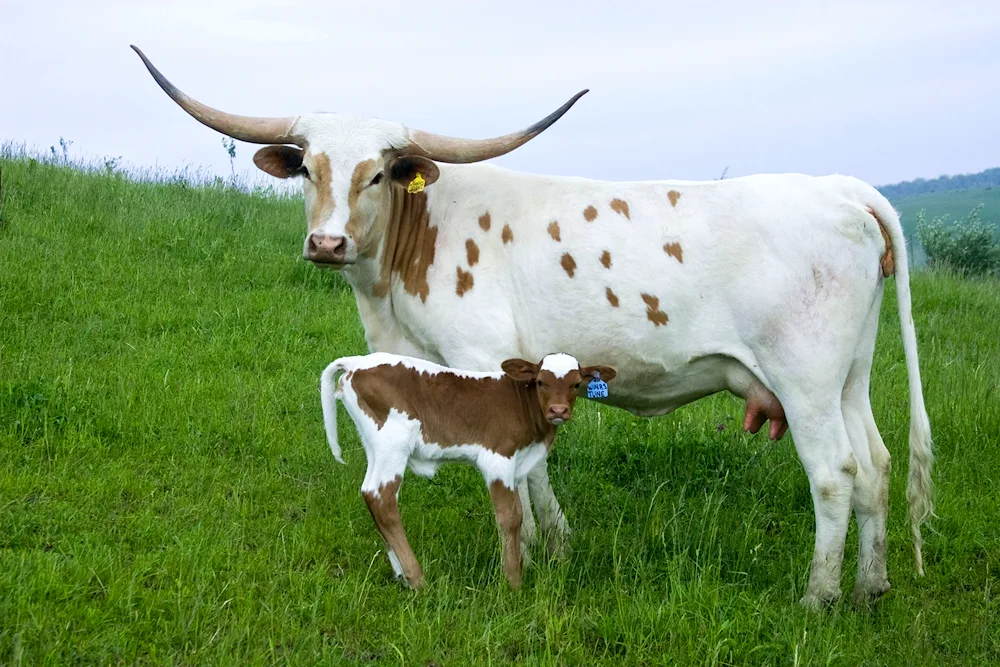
(167, 495)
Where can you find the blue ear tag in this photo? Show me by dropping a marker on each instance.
(597, 388)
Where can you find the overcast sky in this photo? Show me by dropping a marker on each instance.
(885, 91)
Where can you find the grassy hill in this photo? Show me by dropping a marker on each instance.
(167, 495)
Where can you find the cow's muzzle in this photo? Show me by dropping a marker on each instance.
(326, 249)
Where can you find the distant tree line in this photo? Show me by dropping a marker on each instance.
(981, 181)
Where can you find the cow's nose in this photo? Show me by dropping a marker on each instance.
(326, 248)
(558, 412)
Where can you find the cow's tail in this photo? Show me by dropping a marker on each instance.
(919, 488)
(329, 394)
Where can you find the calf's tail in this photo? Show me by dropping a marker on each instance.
(328, 397)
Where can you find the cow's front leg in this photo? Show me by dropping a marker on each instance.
(551, 520)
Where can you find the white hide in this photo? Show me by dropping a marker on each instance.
(559, 364)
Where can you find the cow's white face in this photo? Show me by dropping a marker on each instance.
(349, 167)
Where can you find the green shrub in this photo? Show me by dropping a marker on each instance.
(970, 247)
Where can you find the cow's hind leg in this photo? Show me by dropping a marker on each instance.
(551, 520)
(824, 448)
(871, 485)
(383, 502)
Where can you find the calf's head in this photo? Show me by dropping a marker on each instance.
(557, 379)
(353, 168)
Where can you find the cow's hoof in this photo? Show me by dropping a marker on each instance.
(865, 595)
(821, 602)
(558, 546)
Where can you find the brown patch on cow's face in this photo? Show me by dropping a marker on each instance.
(589, 214)
(319, 207)
(484, 221)
(471, 252)
(612, 297)
(463, 281)
(408, 249)
(363, 173)
(673, 196)
(620, 206)
(606, 259)
(507, 234)
(675, 251)
(568, 263)
(653, 312)
(554, 230)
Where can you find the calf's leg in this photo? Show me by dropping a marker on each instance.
(507, 507)
(383, 503)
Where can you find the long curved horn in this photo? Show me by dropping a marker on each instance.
(451, 149)
(245, 128)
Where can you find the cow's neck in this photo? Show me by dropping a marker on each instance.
(401, 257)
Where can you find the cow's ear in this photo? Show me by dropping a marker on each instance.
(520, 370)
(280, 161)
(607, 373)
(404, 170)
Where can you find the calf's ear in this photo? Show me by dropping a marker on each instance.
(607, 373)
(520, 370)
(280, 161)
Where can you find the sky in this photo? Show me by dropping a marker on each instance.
(885, 91)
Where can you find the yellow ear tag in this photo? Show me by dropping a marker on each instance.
(416, 185)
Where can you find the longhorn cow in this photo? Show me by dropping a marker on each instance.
(767, 286)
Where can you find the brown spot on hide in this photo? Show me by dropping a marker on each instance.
(675, 251)
(673, 196)
(409, 241)
(589, 213)
(501, 414)
(888, 262)
(612, 298)
(568, 263)
(653, 312)
(554, 230)
(471, 252)
(606, 259)
(620, 206)
(323, 204)
(484, 221)
(464, 281)
(507, 234)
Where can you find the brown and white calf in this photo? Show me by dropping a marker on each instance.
(410, 412)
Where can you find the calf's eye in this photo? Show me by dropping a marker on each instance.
(377, 179)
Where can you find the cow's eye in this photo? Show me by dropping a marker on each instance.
(377, 179)
(302, 171)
